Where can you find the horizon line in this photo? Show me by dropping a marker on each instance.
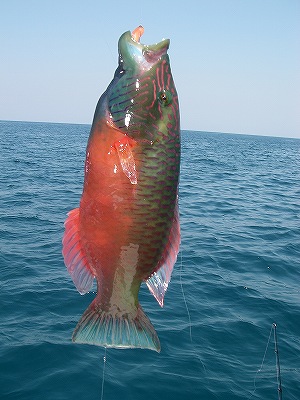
(182, 129)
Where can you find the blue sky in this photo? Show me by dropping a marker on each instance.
(236, 63)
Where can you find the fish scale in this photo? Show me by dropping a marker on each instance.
(126, 229)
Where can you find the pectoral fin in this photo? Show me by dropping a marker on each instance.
(127, 161)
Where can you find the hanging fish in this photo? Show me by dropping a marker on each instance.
(126, 229)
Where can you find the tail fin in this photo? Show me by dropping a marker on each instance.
(115, 329)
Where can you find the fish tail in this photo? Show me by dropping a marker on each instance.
(115, 329)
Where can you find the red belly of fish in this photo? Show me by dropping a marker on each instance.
(105, 207)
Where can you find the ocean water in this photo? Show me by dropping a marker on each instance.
(238, 272)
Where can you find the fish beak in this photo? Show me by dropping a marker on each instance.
(135, 55)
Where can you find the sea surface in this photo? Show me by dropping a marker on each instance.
(238, 272)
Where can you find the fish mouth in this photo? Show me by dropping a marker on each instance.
(132, 52)
(137, 33)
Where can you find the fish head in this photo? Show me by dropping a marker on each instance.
(142, 99)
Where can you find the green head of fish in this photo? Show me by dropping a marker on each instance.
(142, 99)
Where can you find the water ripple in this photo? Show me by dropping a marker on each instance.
(238, 269)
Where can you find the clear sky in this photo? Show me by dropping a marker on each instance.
(236, 63)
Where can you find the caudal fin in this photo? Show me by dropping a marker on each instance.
(115, 329)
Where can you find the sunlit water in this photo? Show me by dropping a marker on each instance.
(237, 273)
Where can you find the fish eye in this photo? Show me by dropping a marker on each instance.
(164, 97)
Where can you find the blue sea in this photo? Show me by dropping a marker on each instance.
(238, 272)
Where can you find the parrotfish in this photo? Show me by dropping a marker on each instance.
(126, 229)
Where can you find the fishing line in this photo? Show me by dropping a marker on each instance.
(113, 57)
(141, 14)
(273, 327)
(103, 373)
(188, 312)
(184, 299)
(261, 365)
